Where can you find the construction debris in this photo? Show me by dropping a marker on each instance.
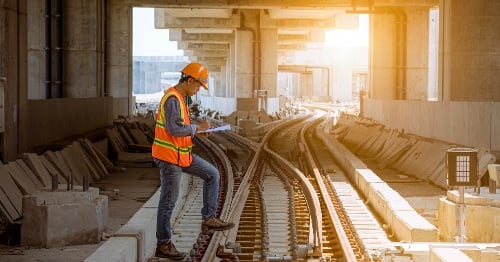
(422, 158)
(78, 163)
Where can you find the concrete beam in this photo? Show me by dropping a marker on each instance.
(292, 46)
(265, 4)
(218, 60)
(315, 36)
(213, 64)
(292, 38)
(202, 46)
(214, 68)
(163, 19)
(207, 53)
(181, 35)
(200, 12)
(298, 23)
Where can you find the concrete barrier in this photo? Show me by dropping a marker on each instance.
(443, 254)
(136, 240)
(406, 224)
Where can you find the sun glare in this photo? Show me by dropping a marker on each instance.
(349, 38)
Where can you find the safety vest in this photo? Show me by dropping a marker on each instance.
(169, 148)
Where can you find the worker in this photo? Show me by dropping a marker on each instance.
(172, 153)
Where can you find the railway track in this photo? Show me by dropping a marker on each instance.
(286, 206)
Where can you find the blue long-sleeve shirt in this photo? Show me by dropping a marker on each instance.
(175, 124)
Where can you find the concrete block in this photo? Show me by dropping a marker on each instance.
(410, 226)
(247, 124)
(470, 198)
(345, 158)
(61, 218)
(153, 200)
(142, 226)
(141, 229)
(386, 201)
(482, 222)
(448, 254)
(490, 255)
(116, 249)
(473, 252)
(363, 179)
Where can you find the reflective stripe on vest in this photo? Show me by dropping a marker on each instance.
(169, 148)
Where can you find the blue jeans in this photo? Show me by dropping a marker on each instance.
(170, 176)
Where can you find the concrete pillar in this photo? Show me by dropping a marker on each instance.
(231, 64)
(119, 53)
(470, 50)
(269, 67)
(417, 53)
(217, 87)
(12, 75)
(382, 57)
(224, 81)
(244, 73)
(444, 68)
(305, 85)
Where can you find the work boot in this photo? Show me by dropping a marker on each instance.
(215, 224)
(168, 250)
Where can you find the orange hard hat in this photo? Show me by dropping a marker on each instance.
(198, 72)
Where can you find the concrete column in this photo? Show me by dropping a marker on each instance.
(223, 81)
(13, 34)
(469, 53)
(119, 53)
(382, 57)
(444, 50)
(232, 70)
(417, 53)
(36, 50)
(217, 87)
(306, 83)
(269, 67)
(244, 73)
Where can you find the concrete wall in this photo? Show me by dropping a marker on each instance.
(225, 105)
(82, 55)
(473, 124)
(86, 104)
(54, 119)
(472, 50)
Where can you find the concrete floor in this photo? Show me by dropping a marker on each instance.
(135, 185)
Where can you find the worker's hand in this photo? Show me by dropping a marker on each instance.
(202, 126)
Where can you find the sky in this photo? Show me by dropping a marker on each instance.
(148, 41)
(349, 38)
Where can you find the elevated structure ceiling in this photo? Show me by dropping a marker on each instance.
(197, 24)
